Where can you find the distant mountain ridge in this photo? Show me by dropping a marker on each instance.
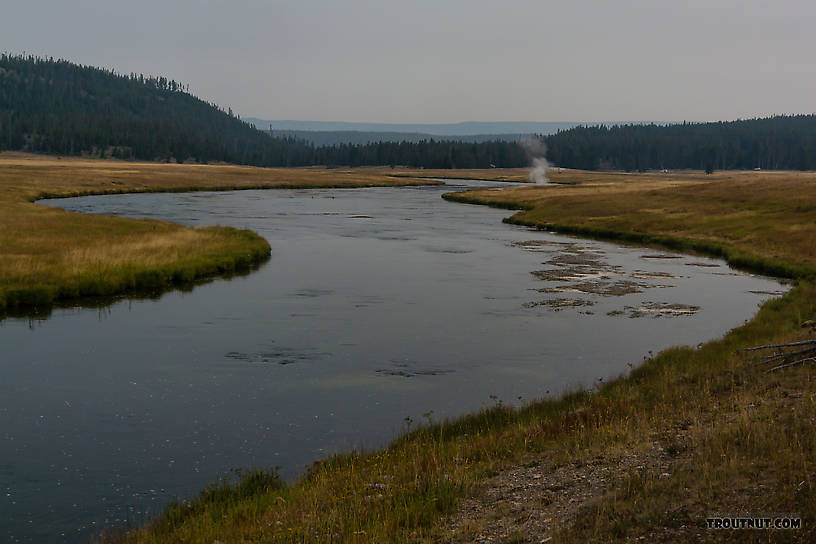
(467, 128)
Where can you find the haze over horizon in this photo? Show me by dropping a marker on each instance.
(429, 62)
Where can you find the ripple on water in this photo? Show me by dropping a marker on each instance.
(312, 293)
(660, 256)
(405, 368)
(540, 246)
(449, 250)
(281, 356)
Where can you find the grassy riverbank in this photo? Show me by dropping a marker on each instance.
(691, 432)
(764, 222)
(49, 256)
(516, 175)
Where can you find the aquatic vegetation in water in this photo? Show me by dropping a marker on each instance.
(573, 273)
(558, 304)
(656, 309)
(575, 264)
(603, 288)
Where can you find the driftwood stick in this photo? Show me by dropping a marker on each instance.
(786, 365)
(782, 355)
(803, 343)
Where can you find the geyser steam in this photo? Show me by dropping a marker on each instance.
(539, 172)
(538, 152)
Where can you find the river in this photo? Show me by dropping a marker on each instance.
(377, 305)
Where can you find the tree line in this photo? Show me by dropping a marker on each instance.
(58, 107)
(786, 142)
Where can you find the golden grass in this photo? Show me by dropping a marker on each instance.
(746, 210)
(737, 439)
(494, 174)
(48, 254)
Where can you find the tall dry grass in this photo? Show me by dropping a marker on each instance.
(745, 211)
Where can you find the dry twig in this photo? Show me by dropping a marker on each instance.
(802, 343)
(806, 355)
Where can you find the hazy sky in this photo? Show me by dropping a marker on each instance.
(447, 61)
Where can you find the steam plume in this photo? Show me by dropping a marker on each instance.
(538, 152)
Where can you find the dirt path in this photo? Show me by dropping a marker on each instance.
(528, 503)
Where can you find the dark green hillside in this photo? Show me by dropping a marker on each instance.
(57, 107)
(54, 106)
(776, 143)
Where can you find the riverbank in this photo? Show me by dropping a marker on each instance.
(689, 433)
(510, 175)
(49, 256)
(762, 222)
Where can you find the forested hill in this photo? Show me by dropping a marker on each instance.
(49, 106)
(781, 142)
(58, 107)
(334, 137)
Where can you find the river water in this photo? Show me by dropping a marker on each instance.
(377, 305)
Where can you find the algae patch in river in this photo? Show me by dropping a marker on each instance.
(584, 269)
(601, 287)
(657, 309)
(557, 304)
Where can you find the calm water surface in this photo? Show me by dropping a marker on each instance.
(377, 305)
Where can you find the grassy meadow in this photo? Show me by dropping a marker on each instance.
(519, 175)
(762, 221)
(729, 437)
(48, 255)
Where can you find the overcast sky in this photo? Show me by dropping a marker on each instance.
(446, 61)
